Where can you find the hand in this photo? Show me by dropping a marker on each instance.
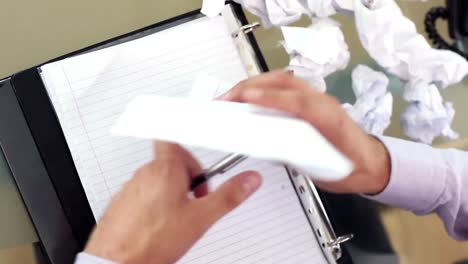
(153, 220)
(282, 91)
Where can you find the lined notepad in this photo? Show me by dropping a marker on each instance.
(90, 91)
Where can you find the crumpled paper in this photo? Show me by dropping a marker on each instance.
(373, 108)
(317, 51)
(344, 5)
(283, 12)
(427, 117)
(392, 41)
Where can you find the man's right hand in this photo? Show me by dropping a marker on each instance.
(153, 220)
(282, 91)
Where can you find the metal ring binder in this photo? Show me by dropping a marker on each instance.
(247, 28)
(315, 208)
(340, 240)
(336, 243)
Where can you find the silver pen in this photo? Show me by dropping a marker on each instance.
(219, 167)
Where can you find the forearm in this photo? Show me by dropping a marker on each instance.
(426, 180)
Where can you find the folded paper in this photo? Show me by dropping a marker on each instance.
(234, 127)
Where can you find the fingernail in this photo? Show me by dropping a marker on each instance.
(253, 94)
(251, 183)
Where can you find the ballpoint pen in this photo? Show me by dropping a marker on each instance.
(219, 167)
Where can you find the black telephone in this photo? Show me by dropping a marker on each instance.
(456, 13)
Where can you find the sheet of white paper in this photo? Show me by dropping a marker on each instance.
(90, 91)
(374, 104)
(237, 128)
(316, 51)
(212, 8)
(269, 228)
(206, 87)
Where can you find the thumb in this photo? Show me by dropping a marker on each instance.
(227, 197)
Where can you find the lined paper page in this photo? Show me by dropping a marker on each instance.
(90, 91)
(270, 227)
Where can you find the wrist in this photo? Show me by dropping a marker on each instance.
(380, 167)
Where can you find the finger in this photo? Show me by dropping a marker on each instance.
(194, 169)
(175, 155)
(173, 152)
(305, 104)
(201, 191)
(324, 112)
(166, 150)
(268, 80)
(227, 197)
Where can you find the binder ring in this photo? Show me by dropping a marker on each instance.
(340, 240)
(248, 28)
